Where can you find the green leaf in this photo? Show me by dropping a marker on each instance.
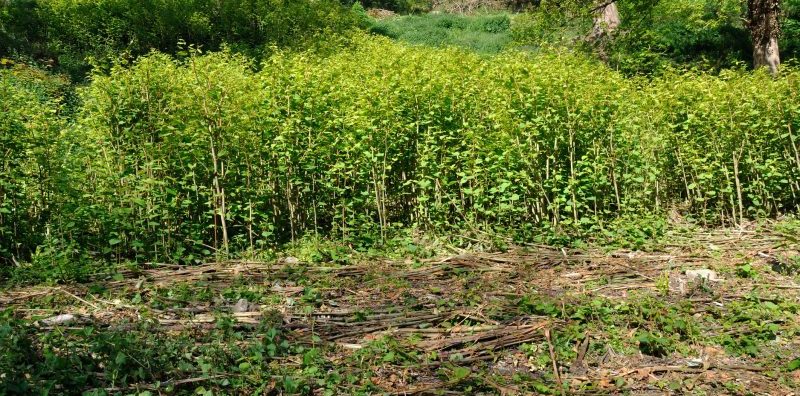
(460, 373)
(793, 365)
(120, 359)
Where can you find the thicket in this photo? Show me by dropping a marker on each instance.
(710, 35)
(656, 35)
(70, 35)
(791, 28)
(174, 159)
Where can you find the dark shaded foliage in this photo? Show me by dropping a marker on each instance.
(71, 35)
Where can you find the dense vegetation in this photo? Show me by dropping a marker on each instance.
(67, 34)
(175, 159)
(301, 125)
(657, 35)
(73, 36)
(178, 158)
(31, 163)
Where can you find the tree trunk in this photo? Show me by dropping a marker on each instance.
(764, 29)
(606, 20)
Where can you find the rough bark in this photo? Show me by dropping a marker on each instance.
(764, 30)
(606, 20)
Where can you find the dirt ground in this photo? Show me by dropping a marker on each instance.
(532, 319)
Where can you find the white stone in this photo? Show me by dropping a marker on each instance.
(694, 363)
(702, 274)
(241, 306)
(64, 319)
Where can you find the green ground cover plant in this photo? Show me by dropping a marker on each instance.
(484, 34)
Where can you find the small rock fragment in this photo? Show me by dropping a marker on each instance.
(241, 306)
(702, 274)
(694, 363)
(291, 260)
(64, 319)
(677, 285)
(573, 275)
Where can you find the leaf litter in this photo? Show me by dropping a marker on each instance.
(531, 318)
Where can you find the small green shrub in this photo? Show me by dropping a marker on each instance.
(18, 355)
(654, 344)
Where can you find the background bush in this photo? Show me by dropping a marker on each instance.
(552, 24)
(68, 32)
(790, 40)
(656, 35)
(707, 34)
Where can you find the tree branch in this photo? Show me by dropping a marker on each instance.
(604, 5)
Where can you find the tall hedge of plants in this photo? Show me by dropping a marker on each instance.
(174, 159)
(185, 158)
